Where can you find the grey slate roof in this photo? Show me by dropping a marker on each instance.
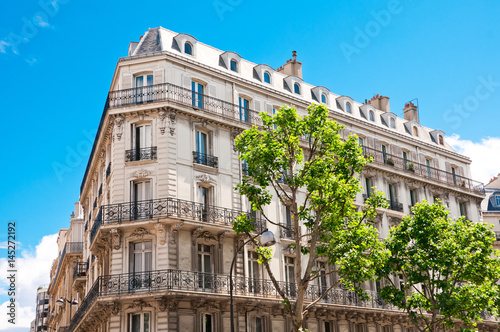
(150, 42)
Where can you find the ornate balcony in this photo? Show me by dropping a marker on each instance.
(167, 208)
(141, 154)
(80, 270)
(288, 233)
(422, 170)
(395, 206)
(205, 159)
(187, 97)
(69, 248)
(197, 282)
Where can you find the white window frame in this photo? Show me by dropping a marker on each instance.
(142, 329)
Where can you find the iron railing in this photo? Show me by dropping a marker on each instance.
(199, 282)
(171, 92)
(395, 206)
(108, 170)
(141, 154)
(80, 270)
(205, 159)
(288, 232)
(429, 172)
(168, 208)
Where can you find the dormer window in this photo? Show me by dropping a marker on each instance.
(372, 116)
(392, 123)
(441, 141)
(234, 65)
(323, 98)
(348, 107)
(267, 77)
(188, 48)
(415, 131)
(296, 88)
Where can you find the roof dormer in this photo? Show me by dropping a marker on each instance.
(389, 119)
(230, 60)
(293, 84)
(437, 137)
(367, 111)
(263, 73)
(185, 43)
(411, 128)
(345, 103)
(320, 94)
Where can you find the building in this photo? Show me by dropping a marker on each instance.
(41, 310)
(491, 206)
(158, 194)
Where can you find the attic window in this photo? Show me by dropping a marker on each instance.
(234, 66)
(392, 123)
(348, 107)
(323, 98)
(267, 77)
(415, 131)
(188, 48)
(441, 140)
(296, 88)
(372, 116)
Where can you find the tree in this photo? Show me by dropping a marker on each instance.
(305, 163)
(449, 269)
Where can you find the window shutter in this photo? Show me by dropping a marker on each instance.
(256, 105)
(158, 76)
(269, 109)
(448, 167)
(186, 81)
(126, 81)
(212, 90)
(436, 163)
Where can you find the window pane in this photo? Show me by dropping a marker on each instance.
(146, 322)
(139, 81)
(258, 324)
(234, 65)
(148, 245)
(267, 78)
(136, 323)
(148, 264)
(150, 80)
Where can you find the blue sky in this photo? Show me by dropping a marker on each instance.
(57, 67)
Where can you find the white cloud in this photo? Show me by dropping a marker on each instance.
(33, 270)
(485, 155)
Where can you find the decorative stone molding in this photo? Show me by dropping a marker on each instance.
(204, 178)
(174, 230)
(168, 303)
(118, 129)
(206, 236)
(172, 117)
(234, 134)
(142, 173)
(161, 233)
(116, 238)
(162, 123)
(140, 232)
(115, 308)
(222, 236)
(139, 304)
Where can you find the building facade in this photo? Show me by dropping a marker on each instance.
(491, 206)
(41, 310)
(158, 197)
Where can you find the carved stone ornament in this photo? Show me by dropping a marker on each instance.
(168, 303)
(234, 134)
(174, 230)
(140, 232)
(116, 308)
(289, 250)
(161, 233)
(206, 236)
(116, 238)
(163, 123)
(139, 304)
(142, 173)
(204, 178)
(171, 122)
(119, 127)
(222, 236)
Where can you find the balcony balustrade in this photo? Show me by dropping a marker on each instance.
(205, 159)
(141, 154)
(80, 270)
(395, 206)
(69, 248)
(288, 232)
(198, 282)
(168, 208)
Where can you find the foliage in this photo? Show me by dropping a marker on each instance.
(304, 162)
(449, 268)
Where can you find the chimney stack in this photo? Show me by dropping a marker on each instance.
(411, 112)
(380, 102)
(292, 67)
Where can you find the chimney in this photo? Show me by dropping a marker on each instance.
(292, 67)
(380, 102)
(411, 112)
(77, 210)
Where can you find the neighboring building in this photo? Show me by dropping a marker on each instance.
(32, 326)
(158, 194)
(491, 206)
(66, 273)
(41, 310)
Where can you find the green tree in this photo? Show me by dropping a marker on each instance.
(305, 163)
(449, 269)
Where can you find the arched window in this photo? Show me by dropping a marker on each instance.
(348, 107)
(415, 131)
(234, 65)
(267, 77)
(188, 48)
(372, 117)
(323, 98)
(393, 123)
(441, 140)
(296, 88)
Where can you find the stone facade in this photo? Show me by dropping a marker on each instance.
(158, 194)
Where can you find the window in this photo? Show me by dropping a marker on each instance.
(328, 327)
(462, 208)
(259, 324)
(139, 322)
(413, 197)
(205, 265)
(322, 285)
(368, 187)
(454, 175)
(415, 131)
(435, 199)
(139, 193)
(207, 323)
(348, 107)
(141, 139)
(361, 142)
(296, 88)
(144, 88)
(267, 77)
(405, 160)
(401, 281)
(428, 166)
(197, 94)
(244, 109)
(254, 271)
(372, 116)
(441, 140)
(392, 198)
(205, 197)
(203, 147)
(290, 275)
(188, 48)
(141, 257)
(234, 65)
(497, 200)
(392, 123)
(323, 98)
(384, 153)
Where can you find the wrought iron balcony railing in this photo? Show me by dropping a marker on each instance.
(395, 206)
(205, 159)
(141, 154)
(422, 170)
(80, 270)
(366, 196)
(69, 248)
(288, 232)
(177, 280)
(168, 208)
(187, 97)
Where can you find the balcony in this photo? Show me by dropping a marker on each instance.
(422, 170)
(140, 154)
(210, 283)
(173, 93)
(69, 248)
(497, 235)
(288, 232)
(80, 270)
(395, 206)
(167, 208)
(205, 159)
